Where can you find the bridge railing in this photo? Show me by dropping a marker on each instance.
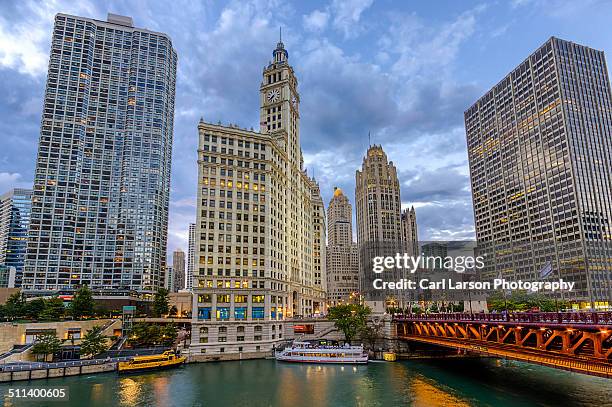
(566, 318)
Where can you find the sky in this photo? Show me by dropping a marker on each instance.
(404, 71)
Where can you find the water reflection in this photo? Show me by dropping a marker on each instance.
(449, 382)
(425, 394)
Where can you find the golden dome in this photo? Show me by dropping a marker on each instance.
(337, 191)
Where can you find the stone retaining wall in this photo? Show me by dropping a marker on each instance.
(57, 372)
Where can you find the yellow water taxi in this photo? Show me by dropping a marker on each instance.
(138, 363)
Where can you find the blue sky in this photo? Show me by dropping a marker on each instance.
(403, 70)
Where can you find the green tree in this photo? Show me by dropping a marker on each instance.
(144, 335)
(94, 342)
(15, 305)
(34, 308)
(349, 318)
(46, 344)
(160, 303)
(169, 333)
(82, 303)
(54, 309)
(370, 334)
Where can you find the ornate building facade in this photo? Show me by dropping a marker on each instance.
(342, 260)
(410, 234)
(260, 229)
(379, 230)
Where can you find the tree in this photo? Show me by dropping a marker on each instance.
(370, 334)
(94, 342)
(169, 333)
(82, 303)
(15, 305)
(160, 303)
(144, 335)
(34, 308)
(46, 344)
(54, 309)
(349, 318)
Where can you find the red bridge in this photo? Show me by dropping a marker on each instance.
(576, 341)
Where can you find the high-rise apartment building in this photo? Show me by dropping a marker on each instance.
(178, 267)
(260, 230)
(102, 182)
(379, 232)
(410, 232)
(540, 157)
(15, 208)
(342, 260)
(190, 257)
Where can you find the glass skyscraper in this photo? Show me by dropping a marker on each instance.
(15, 207)
(540, 152)
(101, 189)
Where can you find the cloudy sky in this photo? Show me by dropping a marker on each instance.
(405, 71)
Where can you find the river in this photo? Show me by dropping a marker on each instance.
(432, 382)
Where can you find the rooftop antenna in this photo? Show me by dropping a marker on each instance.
(369, 139)
(280, 34)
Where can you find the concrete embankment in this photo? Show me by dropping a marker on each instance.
(56, 372)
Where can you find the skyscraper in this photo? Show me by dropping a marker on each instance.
(379, 233)
(540, 157)
(101, 189)
(410, 232)
(190, 257)
(342, 261)
(178, 268)
(260, 230)
(15, 208)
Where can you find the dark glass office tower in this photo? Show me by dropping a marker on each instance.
(15, 208)
(540, 152)
(101, 190)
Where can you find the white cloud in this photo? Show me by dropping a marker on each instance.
(347, 14)
(24, 44)
(316, 21)
(10, 180)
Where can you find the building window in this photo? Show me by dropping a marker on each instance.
(240, 298)
(222, 350)
(222, 329)
(204, 312)
(222, 339)
(203, 339)
(240, 313)
(258, 328)
(258, 337)
(204, 298)
(223, 313)
(203, 330)
(240, 338)
(240, 329)
(258, 313)
(239, 348)
(223, 298)
(259, 298)
(203, 351)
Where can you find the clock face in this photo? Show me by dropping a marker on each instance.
(274, 95)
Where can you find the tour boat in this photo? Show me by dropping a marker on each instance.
(322, 352)
(138, 363)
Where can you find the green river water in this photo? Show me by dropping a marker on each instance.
(434, 382)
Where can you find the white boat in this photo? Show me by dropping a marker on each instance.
(322, 352)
